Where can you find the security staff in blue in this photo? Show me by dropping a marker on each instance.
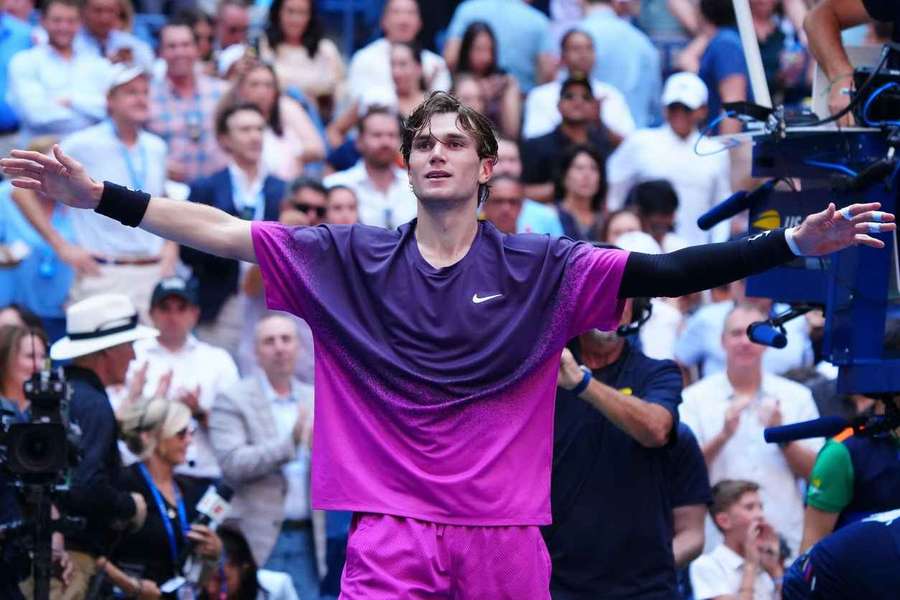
(861, 560)
(616, 418)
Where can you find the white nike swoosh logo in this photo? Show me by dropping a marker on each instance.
(476, 299)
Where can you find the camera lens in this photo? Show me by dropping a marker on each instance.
(36, 448)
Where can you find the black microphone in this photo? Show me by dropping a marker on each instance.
(824, 427)
(734, 204)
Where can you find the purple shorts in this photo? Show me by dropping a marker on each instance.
(397, 557)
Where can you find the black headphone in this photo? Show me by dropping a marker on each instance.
(641, 311)
(641, 308)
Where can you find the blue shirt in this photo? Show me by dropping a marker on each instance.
(687, 474)
(14, 37)
(627, 60)
(522, 33)
(723, 57)
(40, 77)
(612, 507)
(96, 491)
(538, 218)
(41, 281)
(857, 561)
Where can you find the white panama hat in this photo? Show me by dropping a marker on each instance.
(97, 323)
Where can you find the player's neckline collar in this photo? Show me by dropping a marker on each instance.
(427, 268)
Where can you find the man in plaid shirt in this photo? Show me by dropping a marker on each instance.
(183, 106)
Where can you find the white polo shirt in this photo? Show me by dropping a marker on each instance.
(377, 208)
(719, 573)
(701, 182)
(747, 455)
(143, 166)
(196, 363)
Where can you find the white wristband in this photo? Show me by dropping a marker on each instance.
(791, 242)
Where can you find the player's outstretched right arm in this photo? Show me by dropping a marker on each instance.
(199, 226)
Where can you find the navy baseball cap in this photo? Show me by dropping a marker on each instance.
(174, 286)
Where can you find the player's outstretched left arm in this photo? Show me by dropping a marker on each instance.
(704, 267)
(64, 179)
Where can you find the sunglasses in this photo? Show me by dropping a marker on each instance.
(306, 208)
(183, 433)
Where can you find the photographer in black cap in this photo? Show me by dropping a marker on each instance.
(100, 331)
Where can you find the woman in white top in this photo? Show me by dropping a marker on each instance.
(408, 92)
(291, 139)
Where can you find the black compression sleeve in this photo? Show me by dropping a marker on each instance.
(698, 268)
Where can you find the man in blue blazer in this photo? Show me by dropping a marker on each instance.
(242, 189)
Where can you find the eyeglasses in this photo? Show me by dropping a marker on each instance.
(307, 208)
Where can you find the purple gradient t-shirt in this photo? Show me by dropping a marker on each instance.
(435, 388)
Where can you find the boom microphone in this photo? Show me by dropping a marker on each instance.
(824, 427)
(765, 334)
(734, 204)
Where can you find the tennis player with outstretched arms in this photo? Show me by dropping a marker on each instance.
(437, 348)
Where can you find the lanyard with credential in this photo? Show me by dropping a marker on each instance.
(163, 513)
(138, 176)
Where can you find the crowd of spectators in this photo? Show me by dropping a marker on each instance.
(253, 109)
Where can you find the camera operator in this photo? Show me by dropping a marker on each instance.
(853, 477)
(612, 532)
(857, 561)
(99, 334)
(823, 26)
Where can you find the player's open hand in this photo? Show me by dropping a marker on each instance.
(832, 230)
(57, 176)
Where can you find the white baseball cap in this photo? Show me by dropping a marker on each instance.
(97, 323)
(122, 73)
(685, 88)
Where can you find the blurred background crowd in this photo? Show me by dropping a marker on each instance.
(291, 110)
